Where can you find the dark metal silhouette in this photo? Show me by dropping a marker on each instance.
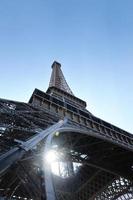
(94, 159)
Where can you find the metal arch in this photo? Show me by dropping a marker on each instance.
(92, 133)
(49, 188)
(49, 185)
(15, 154)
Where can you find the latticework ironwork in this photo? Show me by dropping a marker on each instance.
(57, 78)
(94, 159)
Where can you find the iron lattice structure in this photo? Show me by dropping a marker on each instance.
(94, 158)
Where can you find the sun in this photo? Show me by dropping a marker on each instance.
(58, 166)
(51, 156)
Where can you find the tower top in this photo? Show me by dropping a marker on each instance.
(57, 78)
(58, 91)
(56, 64)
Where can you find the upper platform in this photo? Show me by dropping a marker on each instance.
(59, 89)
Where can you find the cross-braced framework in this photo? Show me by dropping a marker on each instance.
(53, 148)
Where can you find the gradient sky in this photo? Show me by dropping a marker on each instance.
(92, 39)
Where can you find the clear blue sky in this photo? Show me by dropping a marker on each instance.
(93, 39)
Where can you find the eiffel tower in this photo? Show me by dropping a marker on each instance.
(53, 148)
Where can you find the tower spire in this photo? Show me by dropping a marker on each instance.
(57, 78)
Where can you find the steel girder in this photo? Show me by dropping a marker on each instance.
(103, 168)
(102, 176)
(89, 187)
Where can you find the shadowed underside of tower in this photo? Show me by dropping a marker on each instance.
(53, 148)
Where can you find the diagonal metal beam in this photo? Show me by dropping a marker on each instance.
(15, 154)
